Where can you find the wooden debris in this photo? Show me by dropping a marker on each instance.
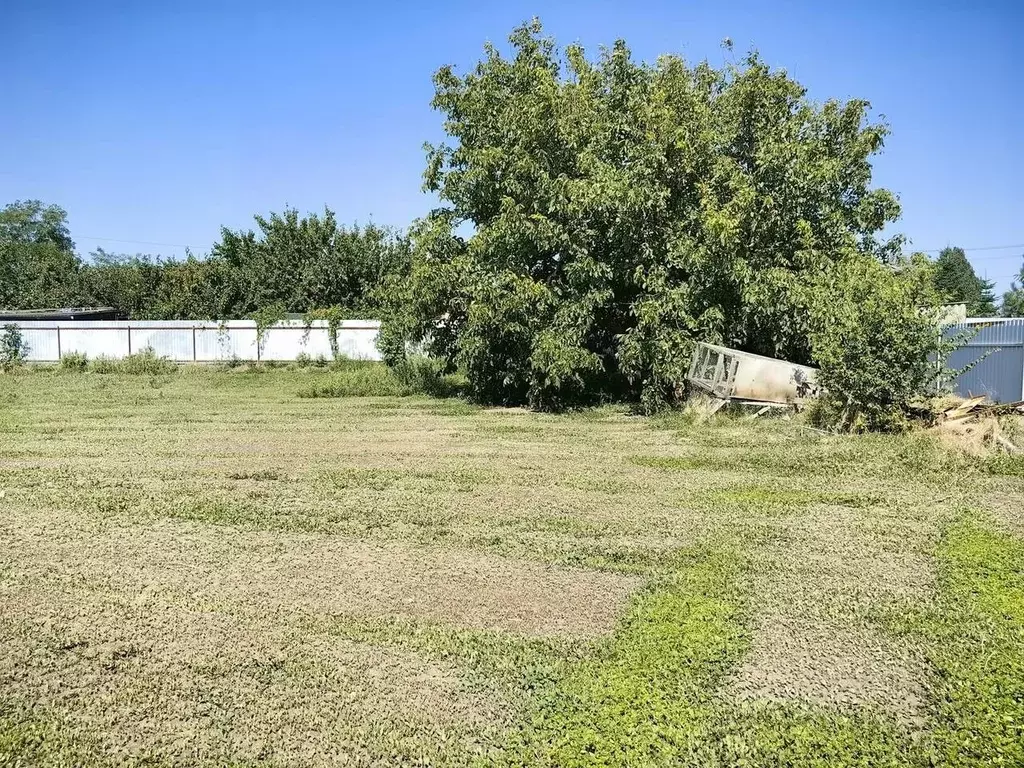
(979, 407)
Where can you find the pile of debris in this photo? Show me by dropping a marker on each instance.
(975, 423)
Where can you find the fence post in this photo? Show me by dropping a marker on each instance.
(59, 355)
(129, 341)
(195, 353)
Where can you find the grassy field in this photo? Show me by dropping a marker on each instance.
(231, 568)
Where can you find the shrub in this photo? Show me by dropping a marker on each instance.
(421, 374)
(876, 343)
(304, 360)
(74, 361)
(143, 363)
(13, 349)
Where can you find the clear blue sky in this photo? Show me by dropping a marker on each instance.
(160, 122)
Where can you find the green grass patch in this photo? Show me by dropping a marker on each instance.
(28, 737)
(770, 734)
(1004, 464)
(359, 380)
(669, 462)
(758, 496)
(646, 697)
(977, 641)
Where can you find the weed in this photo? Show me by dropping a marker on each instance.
(143, 363)
(363, 380)
(74, 361)
(13, 348)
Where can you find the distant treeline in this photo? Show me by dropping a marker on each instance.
(288, 264)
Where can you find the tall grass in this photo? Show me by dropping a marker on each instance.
(143, 363)
(418, 376)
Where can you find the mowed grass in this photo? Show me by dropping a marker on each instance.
(213, 568)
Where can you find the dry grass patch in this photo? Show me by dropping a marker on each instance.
(816, 637)
(150, 680)
(258, 571)
(831, 664)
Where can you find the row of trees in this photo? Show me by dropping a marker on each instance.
(297, 264)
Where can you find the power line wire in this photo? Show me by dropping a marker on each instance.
(979, 248)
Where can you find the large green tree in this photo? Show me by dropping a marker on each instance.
(38, 265)
(622, 210)
(150, 287)
(958, 283)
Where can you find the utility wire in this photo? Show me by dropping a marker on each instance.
(979, 248)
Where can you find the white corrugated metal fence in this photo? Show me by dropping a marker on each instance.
(187, 341)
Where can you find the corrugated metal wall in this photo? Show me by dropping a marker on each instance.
(202, 342)
(1000, 375)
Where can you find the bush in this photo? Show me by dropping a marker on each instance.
(876, 343)
(421, 374)
(13, 349)
(143, 363)
(74, 361)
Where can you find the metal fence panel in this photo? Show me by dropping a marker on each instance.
(95, 341)
(999, 345)
(288, 341)
(186, 340)
(42, 343)
(174, 343)
(357, 340)
(214, 344)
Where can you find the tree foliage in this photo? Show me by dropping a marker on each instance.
(38, 265)
(292, 264)
(876, 348)
(621, 210)
(307, 262)
(1013, 299)
(957, 283)
(13, 349)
